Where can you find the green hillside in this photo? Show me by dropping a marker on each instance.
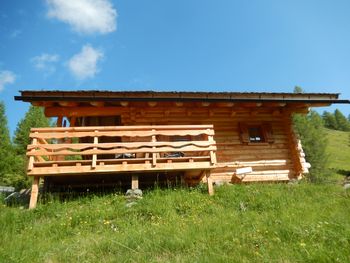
(338, 149)
(240, 223)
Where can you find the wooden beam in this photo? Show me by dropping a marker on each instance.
(179, 104)
(210, 183)
(34, 193)
(83, 111)
(152, 103)
(94, 156)
(72, 121)
(68, 103)
(224, 104)
(124, 103)
(59, 121)
(205, 104)
(134, 182)
(97, 103)
(31, 158)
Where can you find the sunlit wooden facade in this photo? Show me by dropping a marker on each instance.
(210, 137)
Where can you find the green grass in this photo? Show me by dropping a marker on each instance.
(338, 149)
(241, 223)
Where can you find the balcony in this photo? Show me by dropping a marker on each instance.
(120, 149)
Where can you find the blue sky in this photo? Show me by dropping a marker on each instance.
(188, 45)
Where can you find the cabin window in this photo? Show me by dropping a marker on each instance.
(256, 133)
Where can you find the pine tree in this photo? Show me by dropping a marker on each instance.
(329, 120)
(5, 146)
(342, 123)
(11, 165)
(313, 139)
(34, 118)
(314, 142)
(298, 89)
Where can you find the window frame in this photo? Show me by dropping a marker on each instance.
(266, 133)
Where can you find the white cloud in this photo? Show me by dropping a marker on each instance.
(45, 62)
(84, 64)
(6, 77)
(85, 16)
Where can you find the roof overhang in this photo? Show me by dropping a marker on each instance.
(312, 99)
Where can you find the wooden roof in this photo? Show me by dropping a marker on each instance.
(314, 99)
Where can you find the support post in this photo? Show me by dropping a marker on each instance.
(134, 182)
(94, 156)
(34, 192)
(209, 182)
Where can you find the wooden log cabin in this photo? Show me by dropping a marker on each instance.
(137, 138)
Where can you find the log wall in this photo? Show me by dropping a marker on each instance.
(269, 161)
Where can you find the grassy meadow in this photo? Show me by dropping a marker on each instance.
(338, 150)
(240, 223)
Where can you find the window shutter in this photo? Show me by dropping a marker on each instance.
(267, 131)
(244, 134)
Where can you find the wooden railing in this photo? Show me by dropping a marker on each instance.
(113, 149)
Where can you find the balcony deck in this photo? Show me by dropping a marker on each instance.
(120, 149)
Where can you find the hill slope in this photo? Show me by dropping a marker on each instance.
(241, 223)
(338, 149)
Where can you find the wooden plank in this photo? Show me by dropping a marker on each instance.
(128, 145)
(34, 192)
(119, 168)
(67, 134)
(124, 128)
(120, 151)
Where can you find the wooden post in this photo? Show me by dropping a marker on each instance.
(212, 153)
(31, 158)
(209, 182)
(134, 182)
(94, 156)
(154, 155)
(34, 192)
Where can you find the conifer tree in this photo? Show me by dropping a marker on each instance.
(314, 142)
(313, 139)
(5, 146)
(11, 165)
(342, 123)
(34, 118)
(329, 120)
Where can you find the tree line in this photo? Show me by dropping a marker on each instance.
(336, 120)
(13, 160)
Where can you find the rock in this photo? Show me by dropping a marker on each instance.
(18, 198)
(132, 195)
(219, 183)
(138, 192)
(347, 186)
(129, 192)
